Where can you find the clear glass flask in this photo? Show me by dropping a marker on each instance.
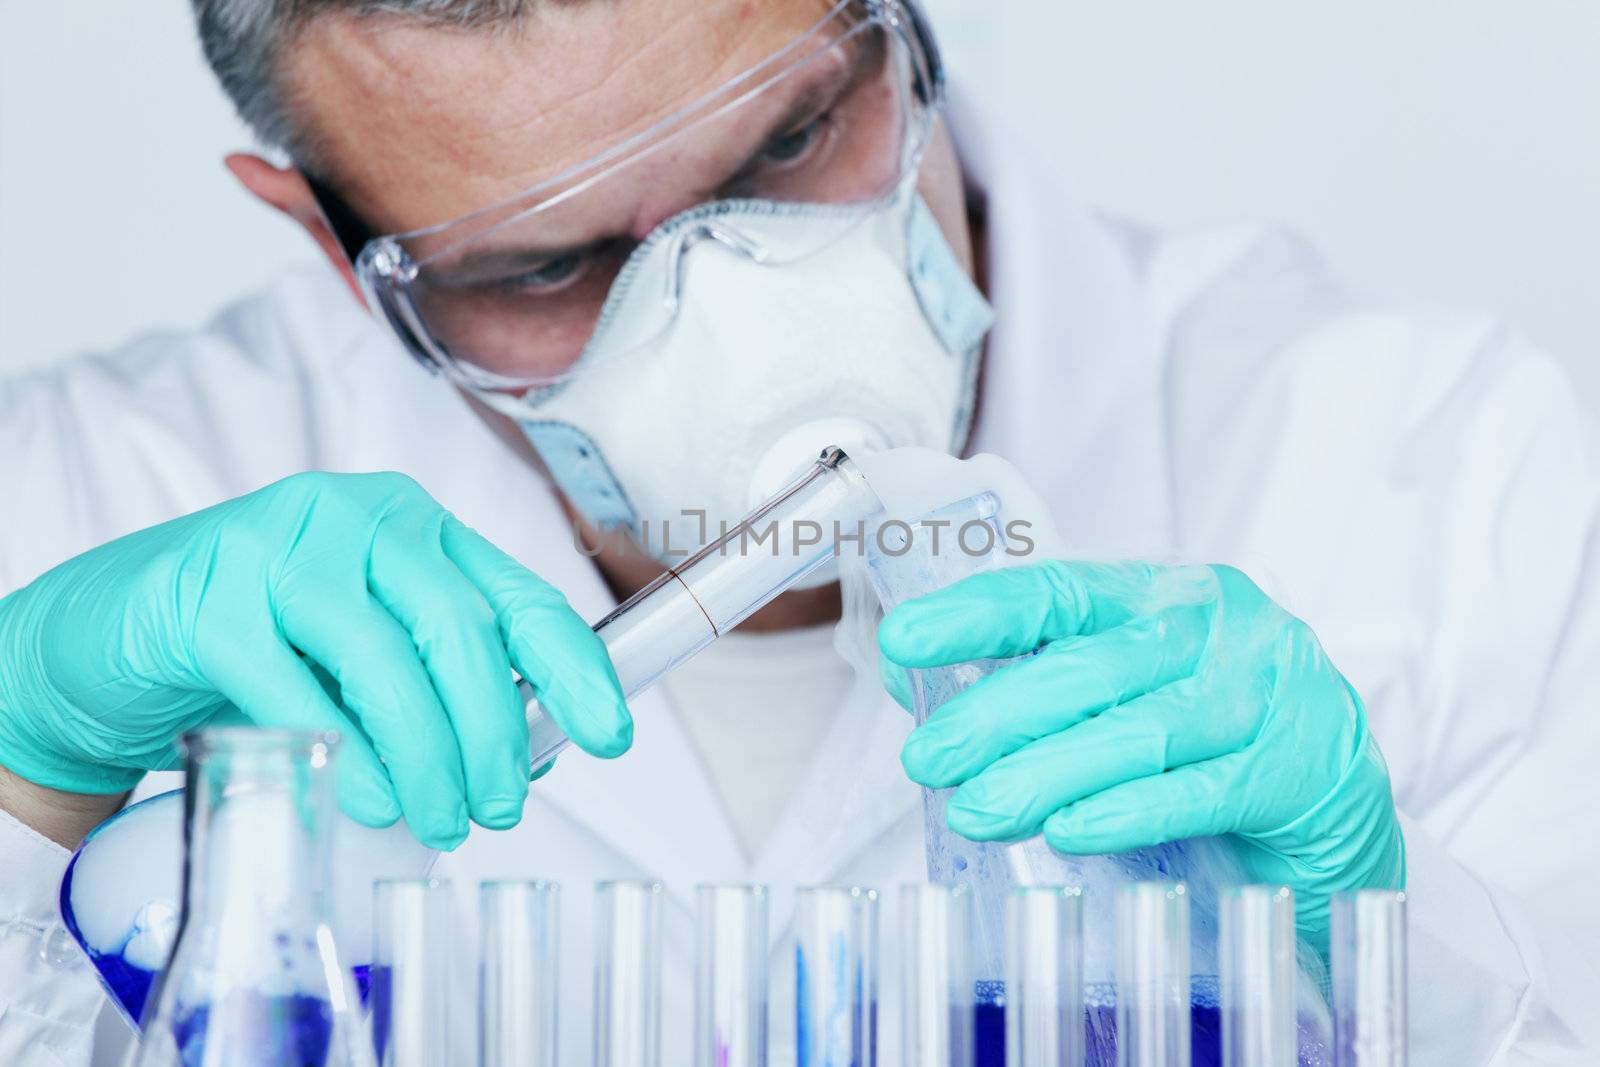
(519, 974)
(836, 976)
(936, 1010)
(730, 976)
(1044, 977)
(254, 979)
(413, 941)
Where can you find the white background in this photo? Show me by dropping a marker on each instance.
(1443, 148)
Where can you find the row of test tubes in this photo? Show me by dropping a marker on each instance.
(1052, 1019)
(1037, 1018)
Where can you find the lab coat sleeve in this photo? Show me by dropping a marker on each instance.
(49, 998)
(1503, 854)
(103, 444)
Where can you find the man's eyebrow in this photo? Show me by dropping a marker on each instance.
(818, 88)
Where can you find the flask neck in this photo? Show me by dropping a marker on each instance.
(255, 979)
(259, 811)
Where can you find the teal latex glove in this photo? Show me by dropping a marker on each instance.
(1164, 703)
(107, 659)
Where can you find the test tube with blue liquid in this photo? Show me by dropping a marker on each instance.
(836, 976)
(1367, 944)
(413, 945)
(1257, 972)
(1153, 1001)
(519, 973)
(730, 987)
(1044, 1023)
(936, 975)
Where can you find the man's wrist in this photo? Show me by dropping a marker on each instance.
(62, 817)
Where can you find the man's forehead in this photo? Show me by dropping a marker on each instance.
(420, 124)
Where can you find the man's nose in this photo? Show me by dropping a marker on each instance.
(656, 210)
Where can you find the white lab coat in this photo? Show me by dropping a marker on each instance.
(1418, 484)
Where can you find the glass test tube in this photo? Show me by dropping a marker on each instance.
(411, 954)
(1044, 977)
(936, 975)
(519, 973)
(1256, 946)
(836, 976)
(1367, 946)
(724, 583)
(1153, 975)
(730, 977)
(627, 974)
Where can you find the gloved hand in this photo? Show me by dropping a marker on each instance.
(1164, 703)
(107, 659)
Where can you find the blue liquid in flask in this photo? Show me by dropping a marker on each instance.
(278, 1031)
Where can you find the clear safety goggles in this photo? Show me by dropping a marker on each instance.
(505, 299)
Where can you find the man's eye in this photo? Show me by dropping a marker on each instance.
(791, 147)
(552, 274)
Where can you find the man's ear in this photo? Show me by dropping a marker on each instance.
(285, 188)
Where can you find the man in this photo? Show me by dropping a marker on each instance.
(663, 252)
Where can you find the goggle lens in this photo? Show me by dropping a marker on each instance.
(507, 299)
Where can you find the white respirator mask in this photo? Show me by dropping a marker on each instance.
(869, 343)
(810, 300)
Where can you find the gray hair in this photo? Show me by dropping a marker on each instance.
(243, 39)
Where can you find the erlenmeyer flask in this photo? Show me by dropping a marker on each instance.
(254, 978)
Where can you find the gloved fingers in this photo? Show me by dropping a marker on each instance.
(455, 634)
(550, 645)
(271, 686)
(1013, 612)
(1149, 736)
(897, 681)
(1200, 800)
(386, 688)
(1069, 682)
